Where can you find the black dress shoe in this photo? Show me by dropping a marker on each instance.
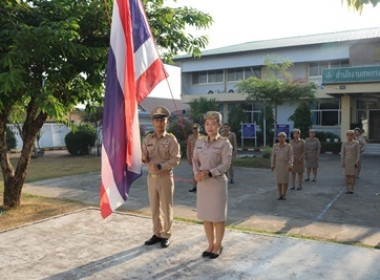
(193, 190)
(231, 181)
(165, 243)
(206, 254)
(153, 240)
(214, 256)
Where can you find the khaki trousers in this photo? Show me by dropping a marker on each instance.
(160, 190)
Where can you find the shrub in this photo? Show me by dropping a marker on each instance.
(331, 147)
(78, 141)
(322, 136)
(267, 152)
(11, 139)
(175, 127)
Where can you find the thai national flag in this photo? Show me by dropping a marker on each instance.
(134, 69)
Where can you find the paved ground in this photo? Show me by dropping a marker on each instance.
(321, 210)
(82, 245)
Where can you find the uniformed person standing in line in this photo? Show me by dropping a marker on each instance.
(232, 138)
(298, 146)
(350, 158)
(161, 152)
(211, 160)
(312, 151)
(190, 147)
(282, 163)
(359, 137)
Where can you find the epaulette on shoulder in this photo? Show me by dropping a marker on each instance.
(223, 138)
(201, 137)
(171, 135)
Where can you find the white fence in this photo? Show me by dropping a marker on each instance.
(52, 135)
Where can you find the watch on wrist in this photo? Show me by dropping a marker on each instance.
(209, 174)
(159, 167)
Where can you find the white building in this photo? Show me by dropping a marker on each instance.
(345, 65)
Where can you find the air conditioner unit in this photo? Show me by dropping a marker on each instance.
(231, 90)
(212, 91)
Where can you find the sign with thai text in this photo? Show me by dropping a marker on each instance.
(365, 74)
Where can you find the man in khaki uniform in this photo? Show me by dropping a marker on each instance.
(190, 148)
(161, 152)
(232, 138)
(359, 137)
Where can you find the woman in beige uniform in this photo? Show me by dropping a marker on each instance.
(312, 151)
(350, 157)
(211, 160)
(282, 162)
(298, 146)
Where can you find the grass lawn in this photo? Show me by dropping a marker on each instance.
(34, 208)
(252, 162)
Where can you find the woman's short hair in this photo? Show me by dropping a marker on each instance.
(213, 115)
(297, 131)
(282, 134)
(350, 132)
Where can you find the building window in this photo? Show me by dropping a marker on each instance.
(208, 77)
(326, 113)
(235, 74)
(315, 69)
(238, 74)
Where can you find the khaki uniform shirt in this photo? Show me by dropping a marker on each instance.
(164, 150)
(190, 146)
(362, 143)
(232, 138)
(214, 156)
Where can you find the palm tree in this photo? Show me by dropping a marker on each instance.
(200, 106)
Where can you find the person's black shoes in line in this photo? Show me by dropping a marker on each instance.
(153, 240)
(206, 254)
(214, 256)
(193, 190)
(231, 181)
(165, 243)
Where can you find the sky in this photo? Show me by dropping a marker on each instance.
(240, 21)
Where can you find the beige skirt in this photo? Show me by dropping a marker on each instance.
(212, 195)
(298, 166)
(281, 172)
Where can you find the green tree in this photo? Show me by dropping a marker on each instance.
(52, 57)
(302, 118)
(200, 106)
(276, 87)
(358, 4)
(235, 117)
(181, 129)
(169, 26)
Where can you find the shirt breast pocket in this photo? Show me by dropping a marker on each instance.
(164, 150)
(150, 149)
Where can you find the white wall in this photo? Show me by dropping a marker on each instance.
(284, 111)
(53, 135)
(162, 89)
(299, 54)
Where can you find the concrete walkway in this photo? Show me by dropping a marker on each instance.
(82, 245)
(321, 210)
